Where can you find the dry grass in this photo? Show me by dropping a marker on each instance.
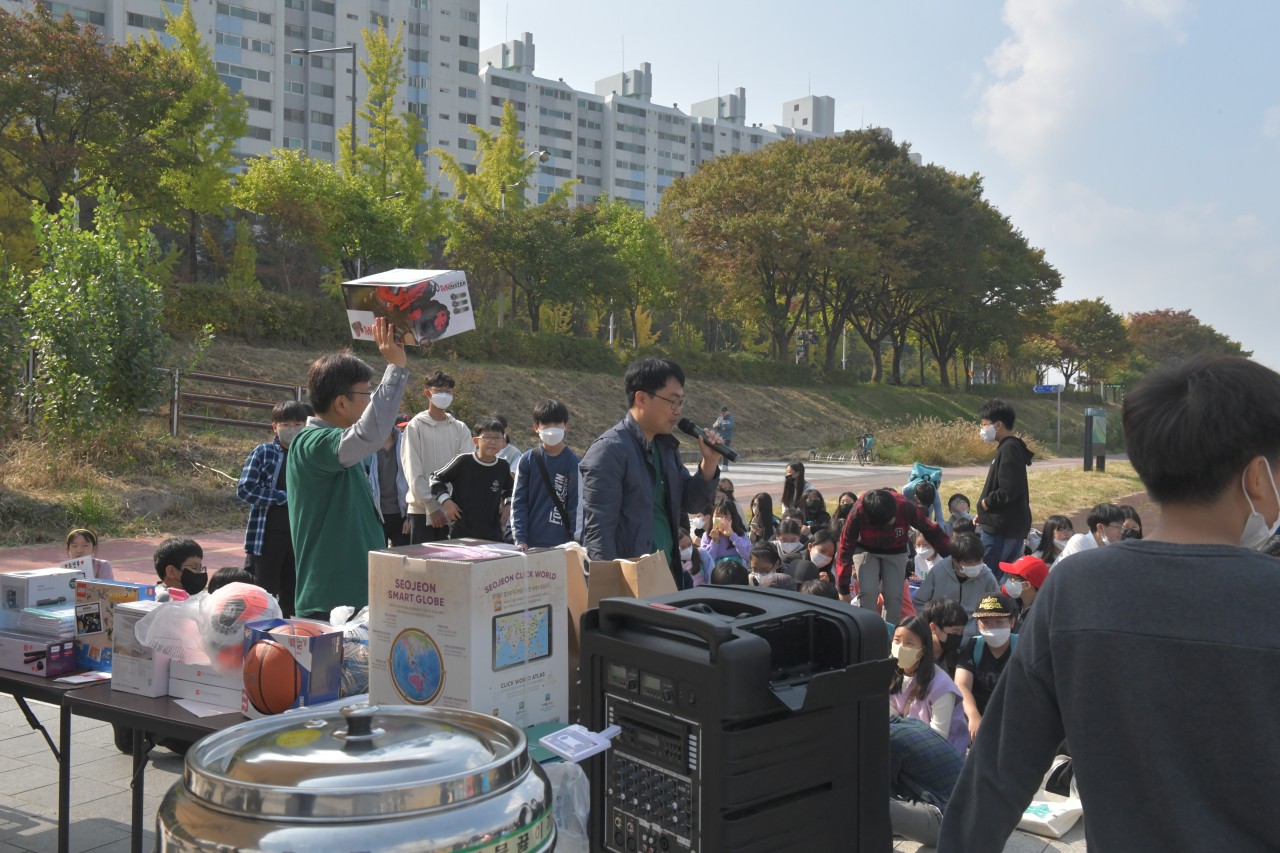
(1063, 491)
(139, 482)
(935, 442)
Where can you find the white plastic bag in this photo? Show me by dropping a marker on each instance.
(355, 648)
(1051, 815)
(571, 805)
(208, 628)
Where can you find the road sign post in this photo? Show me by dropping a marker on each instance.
(1053, 389)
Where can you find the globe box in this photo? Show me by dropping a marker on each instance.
(471, 625)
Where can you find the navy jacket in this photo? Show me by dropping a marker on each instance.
(617, 494)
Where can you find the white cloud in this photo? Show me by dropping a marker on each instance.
(1271, 122)
(1062, 60)
(1199, 257)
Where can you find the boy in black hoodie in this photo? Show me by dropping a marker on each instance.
(1004, 510)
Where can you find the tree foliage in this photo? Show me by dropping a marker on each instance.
(1090, 336)
(647, 275)
(93, 311)
(1164, 336)
(75, 110)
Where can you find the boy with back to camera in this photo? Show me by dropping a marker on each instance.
(544, 506)
(1169, 707)
(474, 488)
(268, 542)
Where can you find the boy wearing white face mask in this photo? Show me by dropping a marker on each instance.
(544, 507)
(983, 658)
(1156, 692)
(432, 439)
(962, 577)
(268, 542)
(1106, 525)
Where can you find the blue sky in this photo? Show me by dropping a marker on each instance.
(1136, 141)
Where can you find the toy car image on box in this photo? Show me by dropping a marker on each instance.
(422, 305)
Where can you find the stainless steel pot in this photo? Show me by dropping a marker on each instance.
(366, 778)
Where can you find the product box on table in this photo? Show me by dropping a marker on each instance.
(218, 695)
(466, 624)
(205, 673)
(36, 655)
(315, 676)
(33, 588)
(95, 619)
(136, 668)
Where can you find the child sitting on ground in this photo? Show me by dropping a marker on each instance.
(83, 542)
(180, 567)
(920, 689)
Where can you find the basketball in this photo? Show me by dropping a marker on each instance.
(272, 680)
(301, 629)
(224, 615)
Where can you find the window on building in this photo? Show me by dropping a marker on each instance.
(290, 114)
(416, 55)
(294, 87)
(323, 62)
(321, 34)
(322, 145)
(242, 72)
(260, 104)
(295, 31)
(242, 13)
(323, 7)
(466, 144)
(292, 142)
(468, 118)
(467, 67)
(322, 90)
(263, 133)
(146, 22)
(470, 17)
(469, 94)
(318, 117)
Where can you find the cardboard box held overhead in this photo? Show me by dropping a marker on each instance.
(422, 305)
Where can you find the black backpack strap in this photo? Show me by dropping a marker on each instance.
(546, 481)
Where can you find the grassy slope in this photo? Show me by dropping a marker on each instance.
(772, 422)
(43, 493)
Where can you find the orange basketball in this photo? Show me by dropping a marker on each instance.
(272, 680)
(301, 629)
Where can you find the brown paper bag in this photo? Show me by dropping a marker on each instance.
(642, 577)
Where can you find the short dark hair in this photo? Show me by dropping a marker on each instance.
(1191, 428)
(227, 575)
(728, 572)
(789, 525)
(174, 552)
(997, 410)
(958, 496)
(879, 507)
(825, 589)
(966, 548)
(1104, 514)
(89, 536)
(333, 375)
(766, 551)
(484, 425)
(945, 613)
(821, 536)
(291, 410)
(649, 375)
(963, 525)
(925, 493)
(550, 412)
(500, 419)
(438, 379)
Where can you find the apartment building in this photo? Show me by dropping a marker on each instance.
(614, 140)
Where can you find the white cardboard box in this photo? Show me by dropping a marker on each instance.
(422, 305)
(460, 625)
(36, 655)
(211, 694)
(204, 673)
(136, 668)
(33, 588)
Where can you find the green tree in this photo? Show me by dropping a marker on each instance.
(736, 216)
(243, 272)
(393, 220)
(302, 216)
(1090, 335)
(203, 185)
(1164, 336)
(93, 312)
(75, 110)
(649, 274)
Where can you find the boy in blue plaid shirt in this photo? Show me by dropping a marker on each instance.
(268, 543)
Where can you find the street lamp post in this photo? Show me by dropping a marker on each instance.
(351, 49)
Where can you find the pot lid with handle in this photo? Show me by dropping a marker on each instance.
(360, 762)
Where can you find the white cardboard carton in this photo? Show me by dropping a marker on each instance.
(470, 625)
(211, 694)
(136, 668)
(33, 588)
(204, 673)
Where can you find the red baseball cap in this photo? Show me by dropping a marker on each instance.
(1030, 567)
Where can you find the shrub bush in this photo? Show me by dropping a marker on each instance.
(941, 443)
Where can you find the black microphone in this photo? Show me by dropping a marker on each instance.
(688, 427)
